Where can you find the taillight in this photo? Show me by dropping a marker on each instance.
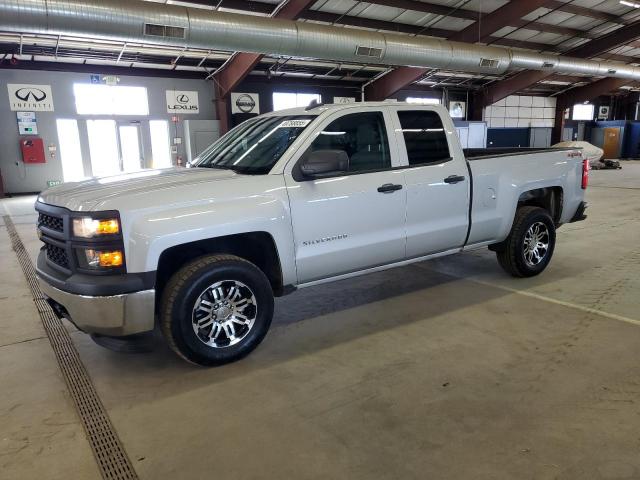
(585, 173)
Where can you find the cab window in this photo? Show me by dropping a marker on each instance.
(362, 136)
(424, 137)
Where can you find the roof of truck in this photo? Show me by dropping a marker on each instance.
(340, 106)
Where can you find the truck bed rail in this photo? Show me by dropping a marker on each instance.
(480, 153)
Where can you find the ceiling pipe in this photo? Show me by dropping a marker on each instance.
(136, 21)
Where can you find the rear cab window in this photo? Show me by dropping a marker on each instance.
(424, 137)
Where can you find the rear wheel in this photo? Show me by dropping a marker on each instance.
(216, 309)
(529, 247)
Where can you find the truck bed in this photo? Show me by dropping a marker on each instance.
(505, 173)
(482, 153)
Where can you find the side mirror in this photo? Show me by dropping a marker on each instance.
(323, 163)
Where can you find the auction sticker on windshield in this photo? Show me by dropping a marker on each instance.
(294, 124)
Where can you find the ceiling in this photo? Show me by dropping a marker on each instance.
(557, 27)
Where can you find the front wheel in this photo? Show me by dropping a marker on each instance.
(216, 309)
(529, 247)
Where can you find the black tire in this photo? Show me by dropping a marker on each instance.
(512, 252)
(185, 291)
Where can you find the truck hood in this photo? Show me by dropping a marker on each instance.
(96, 193)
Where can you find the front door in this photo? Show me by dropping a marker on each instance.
(437, 182)
(351, 221)
(611, 144)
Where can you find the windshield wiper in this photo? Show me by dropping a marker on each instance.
(219, 166)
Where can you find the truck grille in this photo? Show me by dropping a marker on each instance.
(57, 255)
(50, 222)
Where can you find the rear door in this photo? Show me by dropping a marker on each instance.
(351, 221)
(437, 181)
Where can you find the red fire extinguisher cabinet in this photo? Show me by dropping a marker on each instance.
(32, 150)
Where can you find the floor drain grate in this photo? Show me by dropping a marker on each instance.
(109, 453)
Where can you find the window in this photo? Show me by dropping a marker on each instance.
(253, 147)
(423, 100)
(94, 99)
(70, 154)
(583, 112)
(424, 137)
(160, 147)
(362, 136)
(282, 101)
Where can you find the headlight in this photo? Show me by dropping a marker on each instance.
(89, 258)
(87, 227)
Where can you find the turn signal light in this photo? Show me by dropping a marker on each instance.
(111, 259)
(97, 258)
(106, 227)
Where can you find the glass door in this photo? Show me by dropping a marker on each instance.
(130, 147)
(103, 147)
(114, 147)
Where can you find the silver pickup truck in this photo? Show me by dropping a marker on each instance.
(287, 200)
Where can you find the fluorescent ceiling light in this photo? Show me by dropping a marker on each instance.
(630, 4)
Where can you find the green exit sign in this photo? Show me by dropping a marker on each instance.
(53, 183)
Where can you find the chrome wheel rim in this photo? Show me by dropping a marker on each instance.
(536, 244)
(224, 313)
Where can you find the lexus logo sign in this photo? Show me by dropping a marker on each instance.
(182, 102)
(245, 103)
(32, 98)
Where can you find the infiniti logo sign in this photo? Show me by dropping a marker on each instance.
(33, 94)
(32, 98)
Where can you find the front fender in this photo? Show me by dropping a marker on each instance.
(151, 233)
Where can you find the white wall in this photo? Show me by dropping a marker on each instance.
(19, 177)
(518, 111)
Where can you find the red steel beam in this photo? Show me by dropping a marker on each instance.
(583, 94)
(618, 37)
(511, 12)
(593, 90)
(584, 11)
(424, 7)
(472, 15)
(335, 18)
(525, 79)
(242, 63)
(393, 81)
(401, 77)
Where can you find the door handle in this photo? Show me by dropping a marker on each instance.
(454, 179)
(389, 187)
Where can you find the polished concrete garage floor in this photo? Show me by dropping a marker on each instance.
(447, 369)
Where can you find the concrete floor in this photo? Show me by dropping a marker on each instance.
(447, 369)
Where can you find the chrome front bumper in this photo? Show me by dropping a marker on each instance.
(114, 315)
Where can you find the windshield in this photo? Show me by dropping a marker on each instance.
(255, 145)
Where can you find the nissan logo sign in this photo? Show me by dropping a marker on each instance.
(245, 103)
(30, 94)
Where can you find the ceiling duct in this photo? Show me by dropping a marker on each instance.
(135, 21)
